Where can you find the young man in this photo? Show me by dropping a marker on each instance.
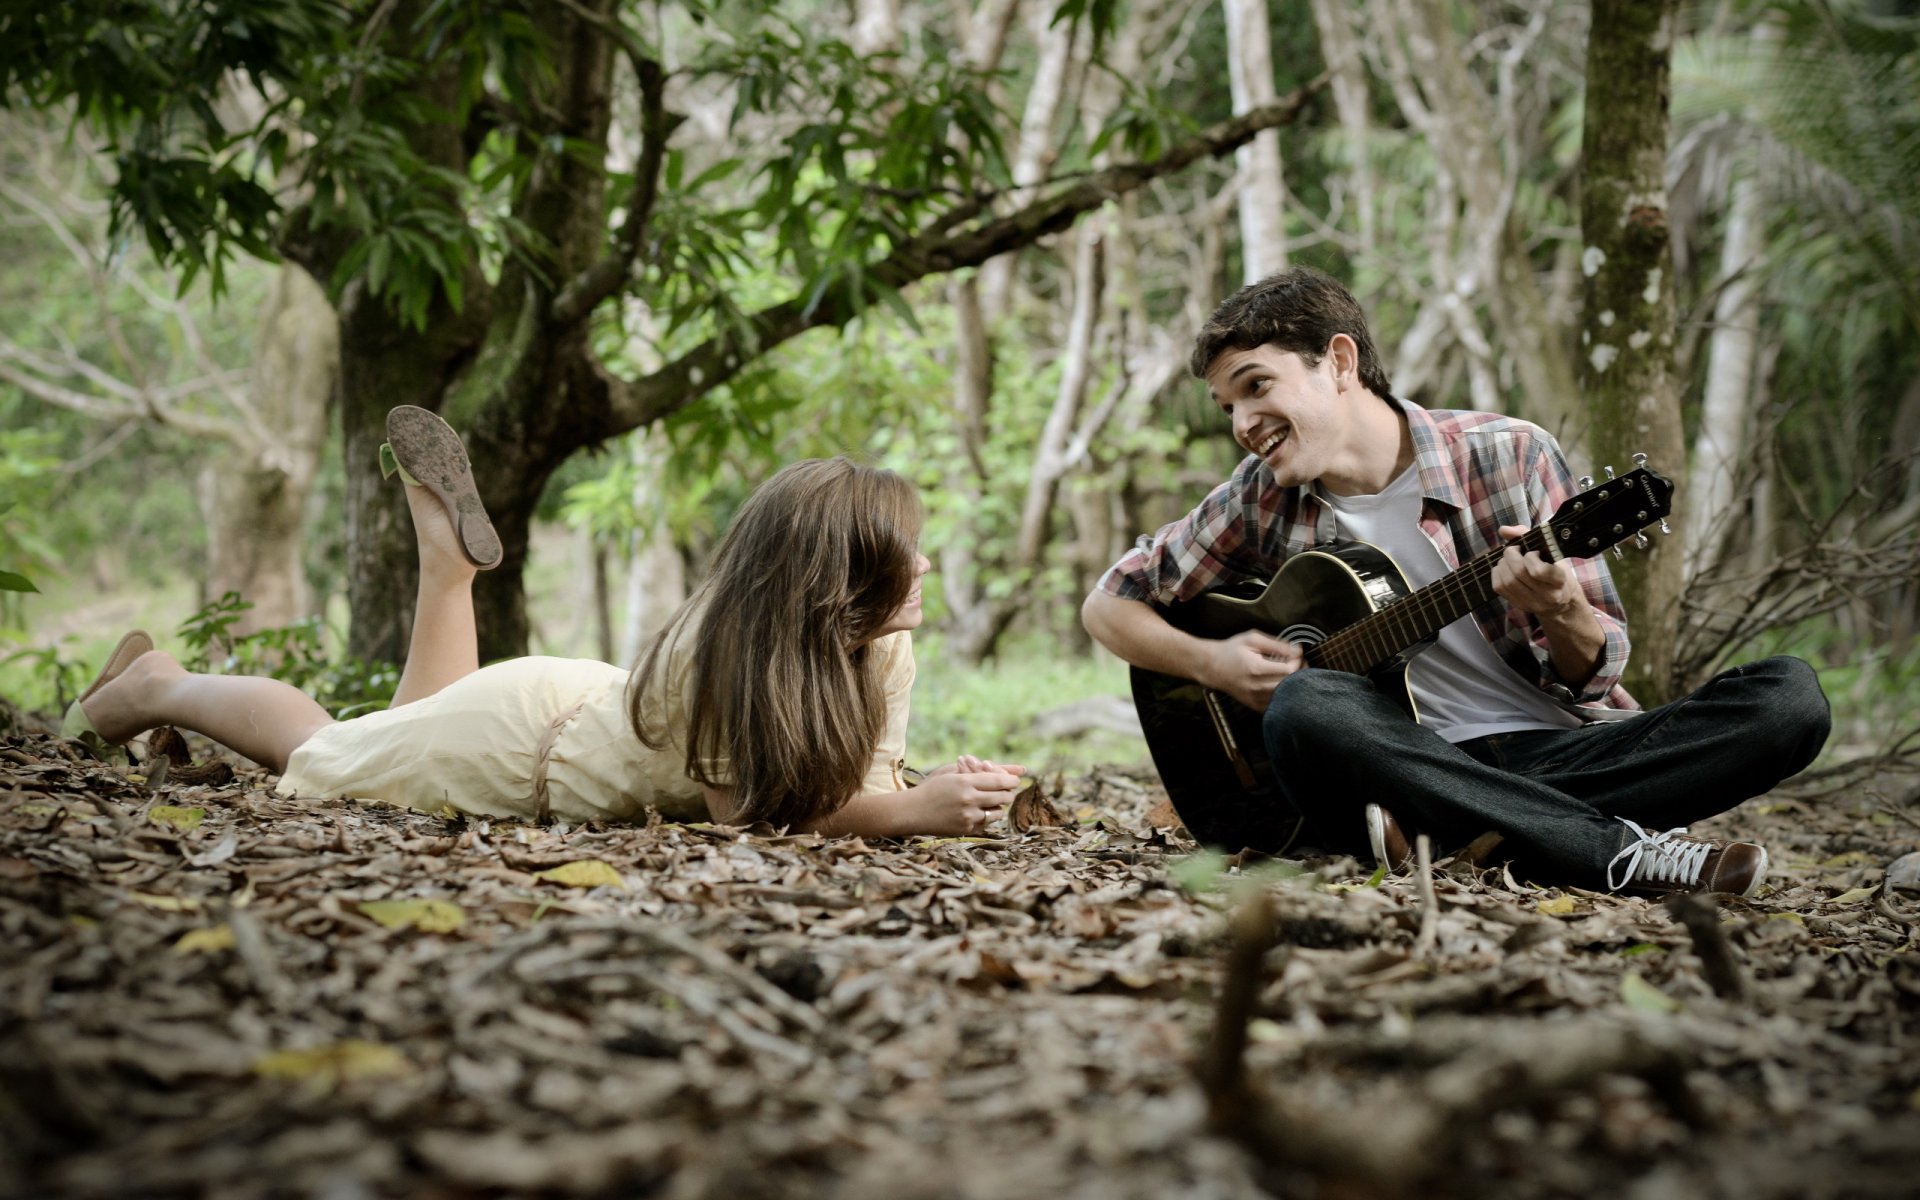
(1524, 728)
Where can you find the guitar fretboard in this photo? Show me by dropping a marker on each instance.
(1363, 646)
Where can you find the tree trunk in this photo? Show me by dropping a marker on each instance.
(1034, 152)
(1627, 369)
(1340, 48)
(508, 372)
(656, 574)
(1263, 192)
(1720, 448)
(256, 507)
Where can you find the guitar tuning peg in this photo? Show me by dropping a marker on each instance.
(1609, 471)
(1618, 552)
(1664, 527)
(1586, 481)
(1640, 460)
(1640, 541)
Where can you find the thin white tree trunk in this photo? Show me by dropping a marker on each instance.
(876, 26)
(1479, 142)
(1033, 153)
(1340, 48)
(1263, 229)
(656, 574)
(1726, 412)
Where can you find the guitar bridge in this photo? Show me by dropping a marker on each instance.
(1242, 769)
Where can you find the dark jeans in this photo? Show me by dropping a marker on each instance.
(1556, 795)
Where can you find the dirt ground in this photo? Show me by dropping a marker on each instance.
(207, 990)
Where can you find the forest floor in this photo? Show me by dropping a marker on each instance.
(207, 990)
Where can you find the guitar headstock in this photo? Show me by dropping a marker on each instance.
(1611, 512)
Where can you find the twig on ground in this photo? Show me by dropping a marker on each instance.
(1429, 903)
(1222, 1066)
(1701, 917)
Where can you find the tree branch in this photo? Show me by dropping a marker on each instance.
(22, 368)
(713, 362)
(585, 291)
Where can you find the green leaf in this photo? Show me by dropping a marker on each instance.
(10, 582)
(1636, 992)
(1199, 872)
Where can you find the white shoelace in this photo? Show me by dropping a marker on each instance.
(1654, 858)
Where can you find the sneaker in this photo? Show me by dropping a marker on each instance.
(1392, 845)
(1673, 861)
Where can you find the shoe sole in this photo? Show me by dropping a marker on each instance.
(428, 449)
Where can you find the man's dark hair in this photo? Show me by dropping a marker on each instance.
(1298, 309)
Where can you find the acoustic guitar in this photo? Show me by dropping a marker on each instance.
(1350, 608)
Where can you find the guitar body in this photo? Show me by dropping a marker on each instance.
(1207, 747)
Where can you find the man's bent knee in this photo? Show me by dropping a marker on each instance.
(1314, 705)
(1804, 719)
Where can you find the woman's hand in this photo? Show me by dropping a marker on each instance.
(958, 802)
(968, 762)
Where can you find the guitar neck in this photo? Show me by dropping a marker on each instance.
(1365, 645)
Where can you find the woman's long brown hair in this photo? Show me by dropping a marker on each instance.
(785, 688)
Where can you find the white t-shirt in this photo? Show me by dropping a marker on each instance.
(1459, 684)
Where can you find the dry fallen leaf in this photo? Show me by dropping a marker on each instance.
(428, 916)
(1855, 896)
(166, 903)
(1559, 906)
(329, 1066)
(204, 941)
(583, 873)
(186, 820)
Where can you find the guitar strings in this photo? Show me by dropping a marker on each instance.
(1364, 645)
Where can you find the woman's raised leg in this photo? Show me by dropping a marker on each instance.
(456, 541)
(264, 719)
(444, 645)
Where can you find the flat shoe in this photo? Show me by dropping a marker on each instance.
(132, 646)
(428, 453)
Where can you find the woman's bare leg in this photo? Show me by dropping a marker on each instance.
(264, 719)
(445, 645)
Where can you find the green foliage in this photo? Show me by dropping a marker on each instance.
(53, 673)
(989, 710)
(295, 654)
(25, 469)
(148, 78)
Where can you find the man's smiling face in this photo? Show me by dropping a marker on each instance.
(1288, 414)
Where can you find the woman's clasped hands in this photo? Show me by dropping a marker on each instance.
(961, 798)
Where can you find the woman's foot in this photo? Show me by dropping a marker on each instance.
(430, 455)
(131, 647)
(442, 556)
(121, 708)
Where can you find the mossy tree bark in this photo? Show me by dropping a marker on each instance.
(1626, 365)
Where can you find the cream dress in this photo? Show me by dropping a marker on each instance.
(535, 738)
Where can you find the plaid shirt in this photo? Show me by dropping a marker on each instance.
(1478, 471)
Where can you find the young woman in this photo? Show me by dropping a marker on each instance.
(778, 693)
